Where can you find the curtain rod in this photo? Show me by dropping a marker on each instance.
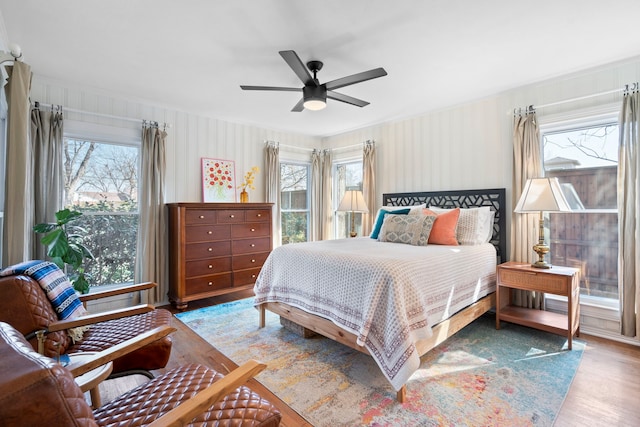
(108, 116)
(626, 88)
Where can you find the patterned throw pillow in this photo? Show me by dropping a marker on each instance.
(409, 229)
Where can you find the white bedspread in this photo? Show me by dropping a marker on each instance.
(388, 294)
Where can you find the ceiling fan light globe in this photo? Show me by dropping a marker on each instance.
(314, 104)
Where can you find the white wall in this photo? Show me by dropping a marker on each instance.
(189, 138)
(470, 146)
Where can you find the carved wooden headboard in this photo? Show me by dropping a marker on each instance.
(494, 198)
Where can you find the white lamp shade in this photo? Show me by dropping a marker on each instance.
(353, 201)
(542, 194)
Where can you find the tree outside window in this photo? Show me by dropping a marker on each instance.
(294, 202)
(101, 180)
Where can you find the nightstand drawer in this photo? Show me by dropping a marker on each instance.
(558, 285)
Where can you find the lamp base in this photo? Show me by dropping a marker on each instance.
(541, 249)
(353, 234)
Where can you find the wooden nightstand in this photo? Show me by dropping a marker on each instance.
(556, 280)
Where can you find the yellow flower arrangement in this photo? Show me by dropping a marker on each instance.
(249, 177)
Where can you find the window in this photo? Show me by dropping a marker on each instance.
(347, 176)
(294, 202)
(584, 158)
(101, 180)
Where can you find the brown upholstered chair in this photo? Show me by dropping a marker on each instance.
(25, 306)
(35, 390)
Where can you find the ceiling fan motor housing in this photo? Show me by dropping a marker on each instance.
(315, 92)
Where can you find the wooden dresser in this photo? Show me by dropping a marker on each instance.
(216, 248)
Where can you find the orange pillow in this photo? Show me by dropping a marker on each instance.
(444, 227)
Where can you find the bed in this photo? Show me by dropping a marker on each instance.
(382, 298)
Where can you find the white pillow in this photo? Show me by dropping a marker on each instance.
(475, 225)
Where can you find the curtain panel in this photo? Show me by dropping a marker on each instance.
(369, 185)
(151, 242)
(17, 233)
(48, 186)
(272, 187)
(320, 227)
(629, 216)
(527, 163)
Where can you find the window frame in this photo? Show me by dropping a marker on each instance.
(575, 120)
(336, 197)
(111, 135)
(307, 165)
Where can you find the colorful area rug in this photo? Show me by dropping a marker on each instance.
(514, 376)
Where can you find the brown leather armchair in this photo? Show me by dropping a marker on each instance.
(36, 391)
(25, 306)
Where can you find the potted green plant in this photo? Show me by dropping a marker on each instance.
(65, 247)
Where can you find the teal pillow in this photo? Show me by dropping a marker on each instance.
(380, 219)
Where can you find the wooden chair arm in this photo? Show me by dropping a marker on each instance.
(187, 411)
(90, 319)
(120, 291)
(118, 350)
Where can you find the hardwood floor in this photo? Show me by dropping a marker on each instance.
(605, 391)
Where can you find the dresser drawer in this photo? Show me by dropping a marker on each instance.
(200, 216)
(231, 216)
(252, 229)
(541, 282)
(203, 284)
(207, 233)
(207, 266)
(240, 262)
(207, 250)
(245, 277)
(258, 215)
(247, 246)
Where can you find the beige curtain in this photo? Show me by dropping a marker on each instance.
(321, 213)
(369, 185)
(272, 187)
(150, 250)
(17, 234)
(527, 163)
(327, 193)
(629, 216)
(48, 185)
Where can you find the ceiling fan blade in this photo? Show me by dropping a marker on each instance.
(284, 89)
(356, 78)
(292, 58)
(299, 106)
(346, 98)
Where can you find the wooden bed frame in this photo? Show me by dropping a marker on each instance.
(495, 198)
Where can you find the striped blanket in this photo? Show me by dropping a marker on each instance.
(55, 284)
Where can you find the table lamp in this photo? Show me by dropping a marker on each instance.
(353, 201)
(542, 195)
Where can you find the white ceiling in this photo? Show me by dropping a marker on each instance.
(192, 55)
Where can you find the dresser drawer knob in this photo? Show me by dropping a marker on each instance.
(253, 229)
(253, 260)
(210, 266)
(210, 249)
(209, 232)
(259, 215)
(253, 245)
(210, 283)
(201, 217)
(253, 276)
(232, 216)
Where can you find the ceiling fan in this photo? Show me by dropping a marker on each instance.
(314, 94)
